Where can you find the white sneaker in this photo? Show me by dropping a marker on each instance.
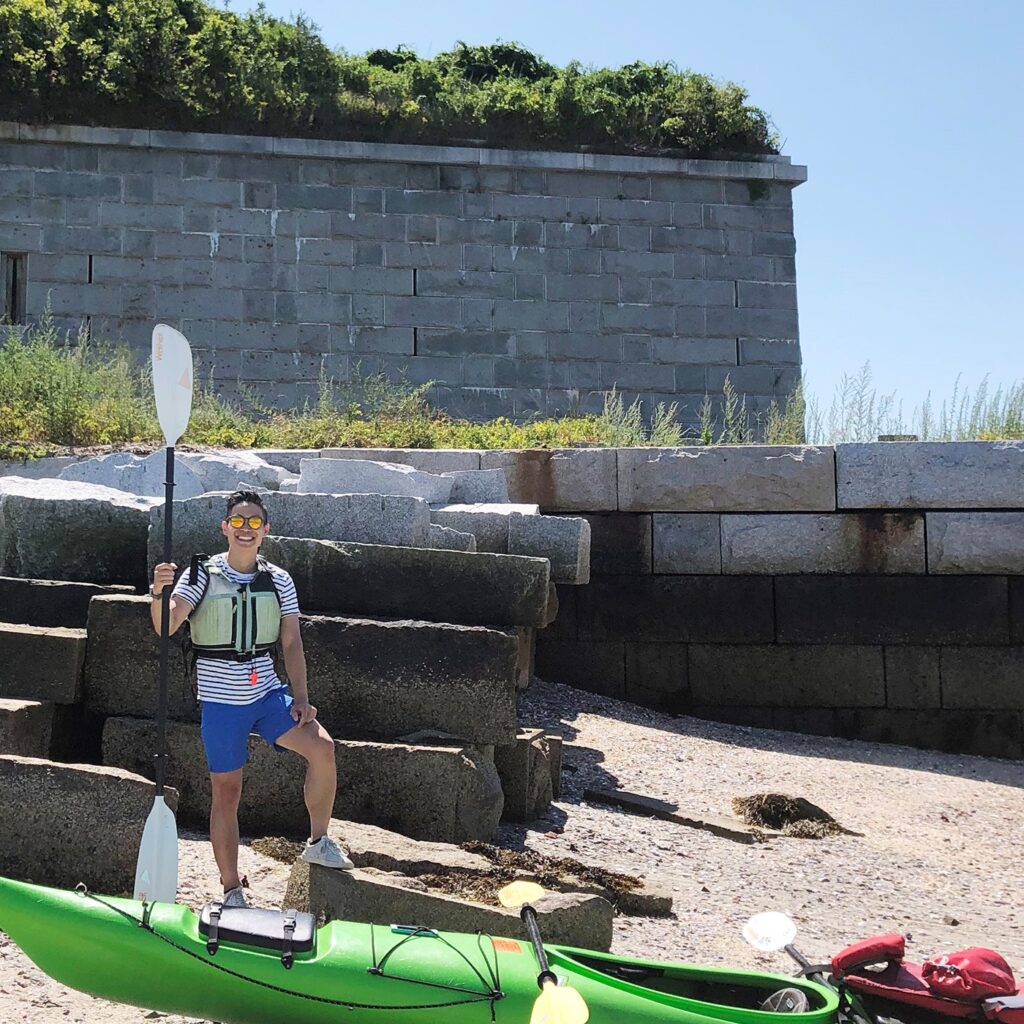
(234, 898)
(326, 852)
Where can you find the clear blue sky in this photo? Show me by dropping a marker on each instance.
(908, 115)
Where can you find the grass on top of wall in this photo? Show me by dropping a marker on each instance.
(62, 392)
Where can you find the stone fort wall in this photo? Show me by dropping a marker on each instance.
(521, 282)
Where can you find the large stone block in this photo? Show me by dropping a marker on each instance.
(230, 471)
(931, 474)
(428, 460)
(687, 543)
(365, 895)
(976, 542)
(366, 677)
(359, 476)
(746, 478)
(564, 542)
(1017, 609)
(476, 486)
(25, 727)
(41, 662)
(49, 602)
(287, 458)
(658, 675)
(892, 610)
(597, 667)
(65, 530)
(620, 543)
(362, 518)
(368, 579)
(524, 768)
(983, 678)
(867, 543)
(709, 609)
(560, 479)
(490, 528)
(446, 794)
(71, 823)
(135, 474)
(912, 678)
(787, 676)
(444, 538)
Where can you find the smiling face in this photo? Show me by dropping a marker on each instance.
(244, 539)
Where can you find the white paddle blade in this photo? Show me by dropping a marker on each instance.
(559, 1004)
(172, 381)
(769, 931)
(156, 874)
(516, 894)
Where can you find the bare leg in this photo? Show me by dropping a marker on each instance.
(227, 791)
(313, 742)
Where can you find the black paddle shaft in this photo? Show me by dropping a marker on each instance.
(165, 631)
(529, 916)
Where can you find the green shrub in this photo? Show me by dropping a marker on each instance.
(189, 65)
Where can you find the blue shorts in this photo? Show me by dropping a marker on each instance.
(226, 728)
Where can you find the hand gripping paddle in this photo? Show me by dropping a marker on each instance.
(156, 874)
(556, 1004)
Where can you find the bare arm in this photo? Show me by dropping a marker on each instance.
(163, 576)
(294, 658)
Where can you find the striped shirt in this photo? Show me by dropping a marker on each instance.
(230, 682)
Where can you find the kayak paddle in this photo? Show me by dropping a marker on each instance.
(556, 1004)
(156, 873)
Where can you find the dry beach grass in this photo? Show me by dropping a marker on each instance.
(941, 843)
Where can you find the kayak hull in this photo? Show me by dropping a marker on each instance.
(153, 956)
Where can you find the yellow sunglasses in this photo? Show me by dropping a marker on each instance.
(237, 522)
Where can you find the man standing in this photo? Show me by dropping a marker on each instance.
(239, 606)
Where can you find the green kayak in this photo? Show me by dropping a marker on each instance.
(267, 967)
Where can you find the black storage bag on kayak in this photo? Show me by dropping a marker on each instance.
(285, 931)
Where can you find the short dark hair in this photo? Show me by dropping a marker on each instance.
(245, 498)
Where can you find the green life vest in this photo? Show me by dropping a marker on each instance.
(232, 622)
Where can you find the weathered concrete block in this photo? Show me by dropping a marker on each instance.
(912, 678)
(71, 823)
(287, 458)
(787, 676)
(445, 794)
(892, 610)
(371, 896)
(524, 768)
(366, 677)
(560, 479)
(367, 579)
(490, 529)
(984, 678)
(428, 460)
(66, 530)
(658, 675)
(620, 544)
(867, 543)
(563, 541)
(49, 602)
(229, 471)
(41, 662)
(976, 542)
(362, 518)
(687, 542)
(358, 476)
(135, 474)
(25, 727)
(596, 667)
(37, 469)
(745, 478)
(931, 474)
(444, 538)
(475, 486)
(709, 609)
